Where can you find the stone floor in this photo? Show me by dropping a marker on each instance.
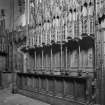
(6, 98)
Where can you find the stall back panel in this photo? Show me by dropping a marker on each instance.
(2, 63)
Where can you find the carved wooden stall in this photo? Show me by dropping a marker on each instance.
(60, 52)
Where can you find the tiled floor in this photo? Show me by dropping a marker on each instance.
(6, 98)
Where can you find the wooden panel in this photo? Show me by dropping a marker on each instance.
(38, 61)
(69, 88)
(53, 61)
(23, 82)
(2, 63)
(40, 84)
(48, 62)
(68, 59)
(33, 83)
(63, 59)
(43, 84)
(80, 89)
(29, 82)
(59, 88)
(57, 61)
(90, 57)
(74, 59)
(17, 81)
(36, 83)
(84, 59)
(51, 85)
(20, 82)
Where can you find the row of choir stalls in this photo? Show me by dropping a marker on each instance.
(61, 36)
(60, 53)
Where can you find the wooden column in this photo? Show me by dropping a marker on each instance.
(61, 58)
(66, 57)
(35, 61)
(51, 61)
(42, 60)
(79, 51)
(25, 63)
